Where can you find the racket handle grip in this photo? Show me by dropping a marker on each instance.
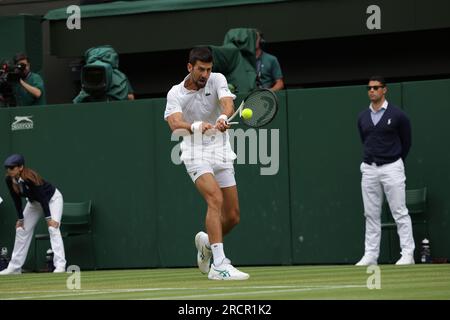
(233, 122)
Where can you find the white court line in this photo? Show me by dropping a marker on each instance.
(42, 291)
(144, 289)
(256, 292)
(76, 293)
(82, 292)
(151, 289)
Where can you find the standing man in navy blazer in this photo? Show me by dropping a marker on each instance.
(385, 132)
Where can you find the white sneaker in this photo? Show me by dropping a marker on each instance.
(226, 272)
(9, 271)
(59, 270)
(204, 253)
(405, 260)
(367, 261)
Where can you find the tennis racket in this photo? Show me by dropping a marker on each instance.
(264, 105)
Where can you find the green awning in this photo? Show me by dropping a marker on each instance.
(145, 6)
(168, 25)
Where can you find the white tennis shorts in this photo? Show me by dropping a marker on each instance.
(222, 171)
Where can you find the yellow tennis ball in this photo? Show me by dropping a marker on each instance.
(247, 113)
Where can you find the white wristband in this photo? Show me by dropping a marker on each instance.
(196, 126)
(222, 116)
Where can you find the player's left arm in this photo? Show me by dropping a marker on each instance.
(226, 103)
(227, 106)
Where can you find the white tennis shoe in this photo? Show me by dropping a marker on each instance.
(226, 272)
(59, 270)
(9, 271)
(367, 260)
(204, 253)
(406, 259)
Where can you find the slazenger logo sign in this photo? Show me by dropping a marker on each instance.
(22, 123)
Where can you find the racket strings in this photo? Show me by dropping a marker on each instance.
(264, 107)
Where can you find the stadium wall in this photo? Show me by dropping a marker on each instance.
(146, 210)
(21, 34)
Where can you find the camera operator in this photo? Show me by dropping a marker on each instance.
(29, 90)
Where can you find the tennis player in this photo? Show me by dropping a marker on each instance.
(200, 105)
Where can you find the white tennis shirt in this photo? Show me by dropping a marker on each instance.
(202, 105)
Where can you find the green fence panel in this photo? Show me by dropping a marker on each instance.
(263, 236)
(22, 33)
(7, 211)
(101, 152)
(428, 105)
(325, 153)
(180, 209)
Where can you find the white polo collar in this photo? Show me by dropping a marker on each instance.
(384, 106)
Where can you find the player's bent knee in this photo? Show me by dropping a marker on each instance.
(215, 203)
(214, 200)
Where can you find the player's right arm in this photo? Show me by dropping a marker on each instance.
(176, 122)
(174, 117)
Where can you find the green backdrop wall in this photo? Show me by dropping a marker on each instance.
(146, 210)
(428, 104)
(21, 33)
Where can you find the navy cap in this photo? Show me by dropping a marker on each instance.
(14, 160)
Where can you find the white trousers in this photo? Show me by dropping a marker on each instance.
(31, 214)
(390, 179)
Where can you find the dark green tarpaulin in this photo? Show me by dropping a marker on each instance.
(117, 82)
(144, 6)
(236, 58)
